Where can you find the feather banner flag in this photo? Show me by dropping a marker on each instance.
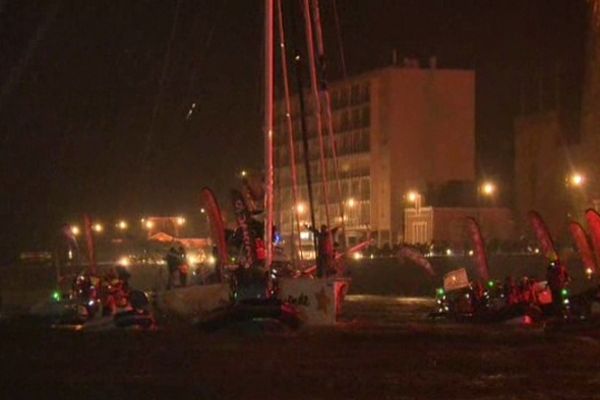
(217, 229)
(583, 245)
(480, 256)
(593, 221)
(543, 236)
(417, 258)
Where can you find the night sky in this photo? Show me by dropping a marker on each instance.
(94, 94)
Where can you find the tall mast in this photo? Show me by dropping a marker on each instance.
(290, 128)
(317, 105)
(269, 12)
(303, 127)
(310, 38)
(320, 62)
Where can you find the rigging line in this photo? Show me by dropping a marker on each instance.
(338, 31)
(14, 76)
(288, 118)
(303, 122)
(269, 86)
(324, 91)
(317, 107)
(161, 85)
(207, 44)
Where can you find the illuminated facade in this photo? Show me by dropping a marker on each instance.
(396, 129)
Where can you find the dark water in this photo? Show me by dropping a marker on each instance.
(384, 348)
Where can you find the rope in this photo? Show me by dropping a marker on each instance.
(163, 77)
(338, 32)
(318, 109)
(288, 115)
(328, 116)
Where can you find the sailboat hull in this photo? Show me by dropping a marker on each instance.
(318, 301)
(193, 302)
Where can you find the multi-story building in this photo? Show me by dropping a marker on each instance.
(557, 146)
(396, 129)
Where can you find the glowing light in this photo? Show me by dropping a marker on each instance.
(440, 291)
(564, 293)
(412, 196)
(589, 271)
(488, 188)
(536, 250)
(192, 258)
(124, 261)
(202, 210)
(471, 252)
(491, 284)
(180, 221)
(576, 179)
(70, 254)
(448, 252)
(211, 260)
(97, 227)
(357, 256)
(56, 295)
(243, 173)
(75, 230)
(351, 202)
(122, 225)
(300, 208)
(149, 224)
(304, 235)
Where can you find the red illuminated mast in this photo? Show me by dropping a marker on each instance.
(268, 127)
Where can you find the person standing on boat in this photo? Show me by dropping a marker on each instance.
(325, 249)
(173, 259)
(183, 266)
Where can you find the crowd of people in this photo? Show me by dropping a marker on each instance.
(440, 248)
(522, 292)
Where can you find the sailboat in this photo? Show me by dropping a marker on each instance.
(251, 276)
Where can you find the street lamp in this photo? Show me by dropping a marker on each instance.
(351, 202)
(243, 173)
(576, 179)
(300, 208)
(488, 188)
(180, 221)
(75, 230)
(122, 225)
(202, 210)
(97, 227)
(412, 196)
(149, 224)
(415, 197)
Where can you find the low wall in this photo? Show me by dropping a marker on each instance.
(24, 285)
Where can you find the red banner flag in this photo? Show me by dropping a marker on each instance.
(593, 221)
(215, 218)
(418, 258)
(89, 236)
(543, 236)
(583, 245)
(481, 259)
